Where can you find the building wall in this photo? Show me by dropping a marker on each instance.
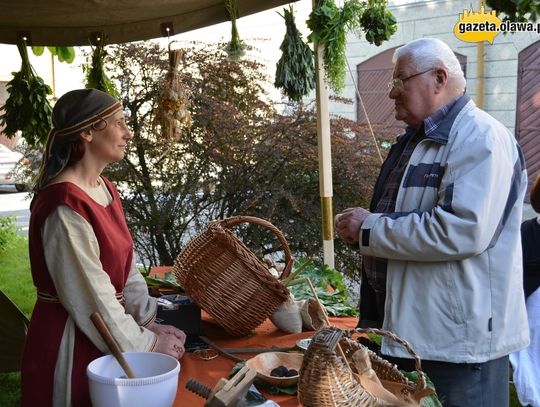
(436, 18)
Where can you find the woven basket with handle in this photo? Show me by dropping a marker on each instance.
(326, 381)
(229, 281)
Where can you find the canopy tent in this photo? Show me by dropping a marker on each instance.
(75, 22)
(79, 23)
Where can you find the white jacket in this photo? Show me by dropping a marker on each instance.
(454, 287)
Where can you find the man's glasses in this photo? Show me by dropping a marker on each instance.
(399, 83)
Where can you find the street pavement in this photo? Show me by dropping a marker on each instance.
(17, 204)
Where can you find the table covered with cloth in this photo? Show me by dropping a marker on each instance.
(208, 372)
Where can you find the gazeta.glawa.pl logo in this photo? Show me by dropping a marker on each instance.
(478, 26)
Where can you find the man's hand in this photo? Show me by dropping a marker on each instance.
(347, 224)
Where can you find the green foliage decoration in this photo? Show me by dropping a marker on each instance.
(295, 73)
(64, 54)
(27, 108)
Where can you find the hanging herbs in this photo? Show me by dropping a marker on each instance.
(295, 73)
(172, 114)
(95, 71)
(378, 22)
(236, 47)
(27, 108)
(329, 25)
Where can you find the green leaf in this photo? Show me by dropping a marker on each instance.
(322, 277)
(38, 50)
(52, 50)
(66, 54)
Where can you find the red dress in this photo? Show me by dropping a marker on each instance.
(49, 316)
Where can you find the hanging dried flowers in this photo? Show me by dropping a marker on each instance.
(295, 72)
(172, 108)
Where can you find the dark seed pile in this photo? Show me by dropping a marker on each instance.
(282, 371)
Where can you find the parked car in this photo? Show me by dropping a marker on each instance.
(9, 162)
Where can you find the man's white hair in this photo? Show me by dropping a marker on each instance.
(426, 53)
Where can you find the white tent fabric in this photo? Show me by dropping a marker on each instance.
(80, 22)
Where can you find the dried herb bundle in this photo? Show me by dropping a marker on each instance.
(378, 22)
(27, 108)
(171, 113)
(95, 72)
(295, 72)
(329, 25)
(236, 47)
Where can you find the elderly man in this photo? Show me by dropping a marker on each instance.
(441, 242)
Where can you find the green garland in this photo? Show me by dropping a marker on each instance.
(27, 108)
(295, 72)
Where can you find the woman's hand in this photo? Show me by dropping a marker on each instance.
(170, 341)
(167, 329)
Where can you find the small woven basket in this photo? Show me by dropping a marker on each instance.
(326, 381)
(227, 280)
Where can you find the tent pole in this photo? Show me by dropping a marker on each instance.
(325, 158)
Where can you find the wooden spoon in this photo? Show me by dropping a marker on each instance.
(111, 342)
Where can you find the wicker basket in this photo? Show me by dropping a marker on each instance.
(227, 280)
(326, 381)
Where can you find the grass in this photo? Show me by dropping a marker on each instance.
(15, 277)
(16, 283)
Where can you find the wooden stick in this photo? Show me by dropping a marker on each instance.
(111, 342)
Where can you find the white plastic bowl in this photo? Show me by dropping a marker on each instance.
(155, 383)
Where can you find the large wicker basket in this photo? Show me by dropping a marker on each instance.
(326, 381)
(227, 280)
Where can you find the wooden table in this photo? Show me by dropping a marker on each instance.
(209, 372)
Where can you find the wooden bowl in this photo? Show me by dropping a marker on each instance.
(263, 363)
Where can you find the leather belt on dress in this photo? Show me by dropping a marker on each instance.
(46, 297)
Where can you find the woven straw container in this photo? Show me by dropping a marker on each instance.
(327, 381)
(227, 280)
